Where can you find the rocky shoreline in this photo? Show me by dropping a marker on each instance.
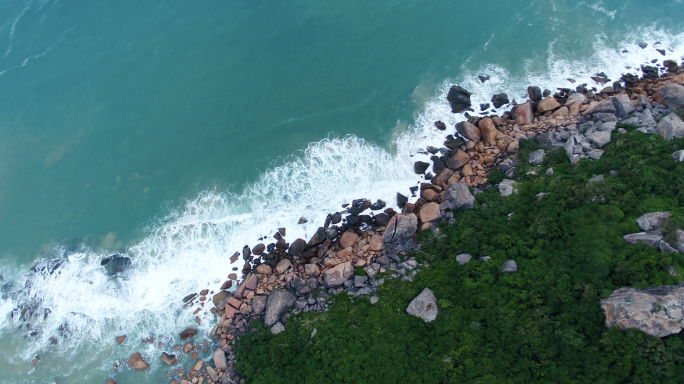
(281, 279)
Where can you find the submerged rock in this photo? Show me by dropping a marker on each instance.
(136, 362)
(424, 306)
(116, 264)
(656, 311)
(168, 358)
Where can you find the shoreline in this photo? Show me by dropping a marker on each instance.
(282, 279)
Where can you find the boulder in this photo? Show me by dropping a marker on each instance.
(116, 264)
(249, 283)
(600, 138)
(376, 243)
(259, 304)
(678, 156)
(595, 154)
(264, 269)
(535, 93)
(297, 247)
(673, 95)
(259, 249)
(440, 125)
(401, 200)
(277, 328)
(623, 105)
(605, 106)
(463, 258)
(595, 179)
(188, 333)
(401, 228)
(318, 237)
(666, 248)
(349, 238)
(656, 311)
(220, 360)
(459, 99)
(469, 131)
(278, 303)
(382, 219)
(536, 157)
(424, 306)
(650, 239)
(547, 104)
(652, 221)
(419, 167)
(509, 267)
(458, 160)
(213, 375)
(338, 274)
(523, 110)
(429, 212)
(312, 270)
(136, 362)
(507, 187)
(499, 100)
(168, 359)
(457, 195)
(671, 126)
(218, 298)
(576, 98)
(489, 132)
(283, 265)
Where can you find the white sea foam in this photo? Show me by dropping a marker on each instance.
(188, 249)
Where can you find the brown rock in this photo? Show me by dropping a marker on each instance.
(522, 113)
(429, 194)
(467, 170)
(338, 275)
(469, 131)
(234, 258)
(234, 302)
(188, 333)
(442, 178)
(344, 253)
(430, 212)
(489, 132)
(547, 104)
(283, 266)
(136, 362)
(348, 238)
(264, 269)
(233, 276)
(187, 347)
(120, 339)
(218, 298)
(458, 160)
(574, 109)
(226, 284)
(251, 282)
(110, 381)
(168, 359)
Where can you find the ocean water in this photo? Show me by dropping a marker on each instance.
(177, 132)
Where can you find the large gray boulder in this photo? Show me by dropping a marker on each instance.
(278, 303)
(424, 306)
(509, 267)
(656, 311)
(671, 126)
(469, 131)
(277, 328)
(652, 221)
(651, 239)
(220, 360)
(536, 157)
(507, 187)
(673, 95)
(463, 258)
(400, 229)
(678, 156)
(338, 274)
(623, 105)
(259, 304)
(457, 195)
(680, 240)
(599, 138)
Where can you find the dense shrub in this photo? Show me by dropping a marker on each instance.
(541, 324)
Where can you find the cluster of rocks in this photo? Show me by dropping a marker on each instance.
(365, 238)
(652, 226)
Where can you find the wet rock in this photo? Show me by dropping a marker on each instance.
(246, 253)
(500, 100)
(336, 218)
(509, 267)
(378, 205)
(136, 362)
(419, 167)
(457, 195)
(536, 157)
(535, 93)
(400, 229)
(459, 99)
(218, 298)
(168, 358)
(188, 333)
(463, 258)
(259, 249)
(469, 131)
(454, 143)
(318, 237)
(401, 200)
(483, 78)
(337, 275)
(424, 306)
(547, 104)
(277, 328)
(439, 125)
(652, 221)
(430, 212)
(278, 303)
(382, 219)
(116, 264)
(650, 239)
(507, 187)
(671, 126)
(656, 311)
(220, 360)
(458, 160)
(235, 257)
(297, 247)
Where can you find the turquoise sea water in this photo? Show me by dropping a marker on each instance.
(178, 132)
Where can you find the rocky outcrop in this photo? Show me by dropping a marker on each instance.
(401, 229)
(424, 306)
(656, 311)
(278, 303)
(459, 99)
(457, 195)
(652, 221)
(651, 239)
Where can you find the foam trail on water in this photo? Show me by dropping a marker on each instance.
(188, 249)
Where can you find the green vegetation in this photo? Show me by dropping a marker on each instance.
(542, 324)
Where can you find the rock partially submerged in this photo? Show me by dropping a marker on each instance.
(116, 264)
(459, 99)
(424, 306)
(136, 362)
(656, 311)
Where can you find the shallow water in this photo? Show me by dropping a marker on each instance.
(179, 132)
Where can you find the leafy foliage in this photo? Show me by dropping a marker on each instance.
(542, 324)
